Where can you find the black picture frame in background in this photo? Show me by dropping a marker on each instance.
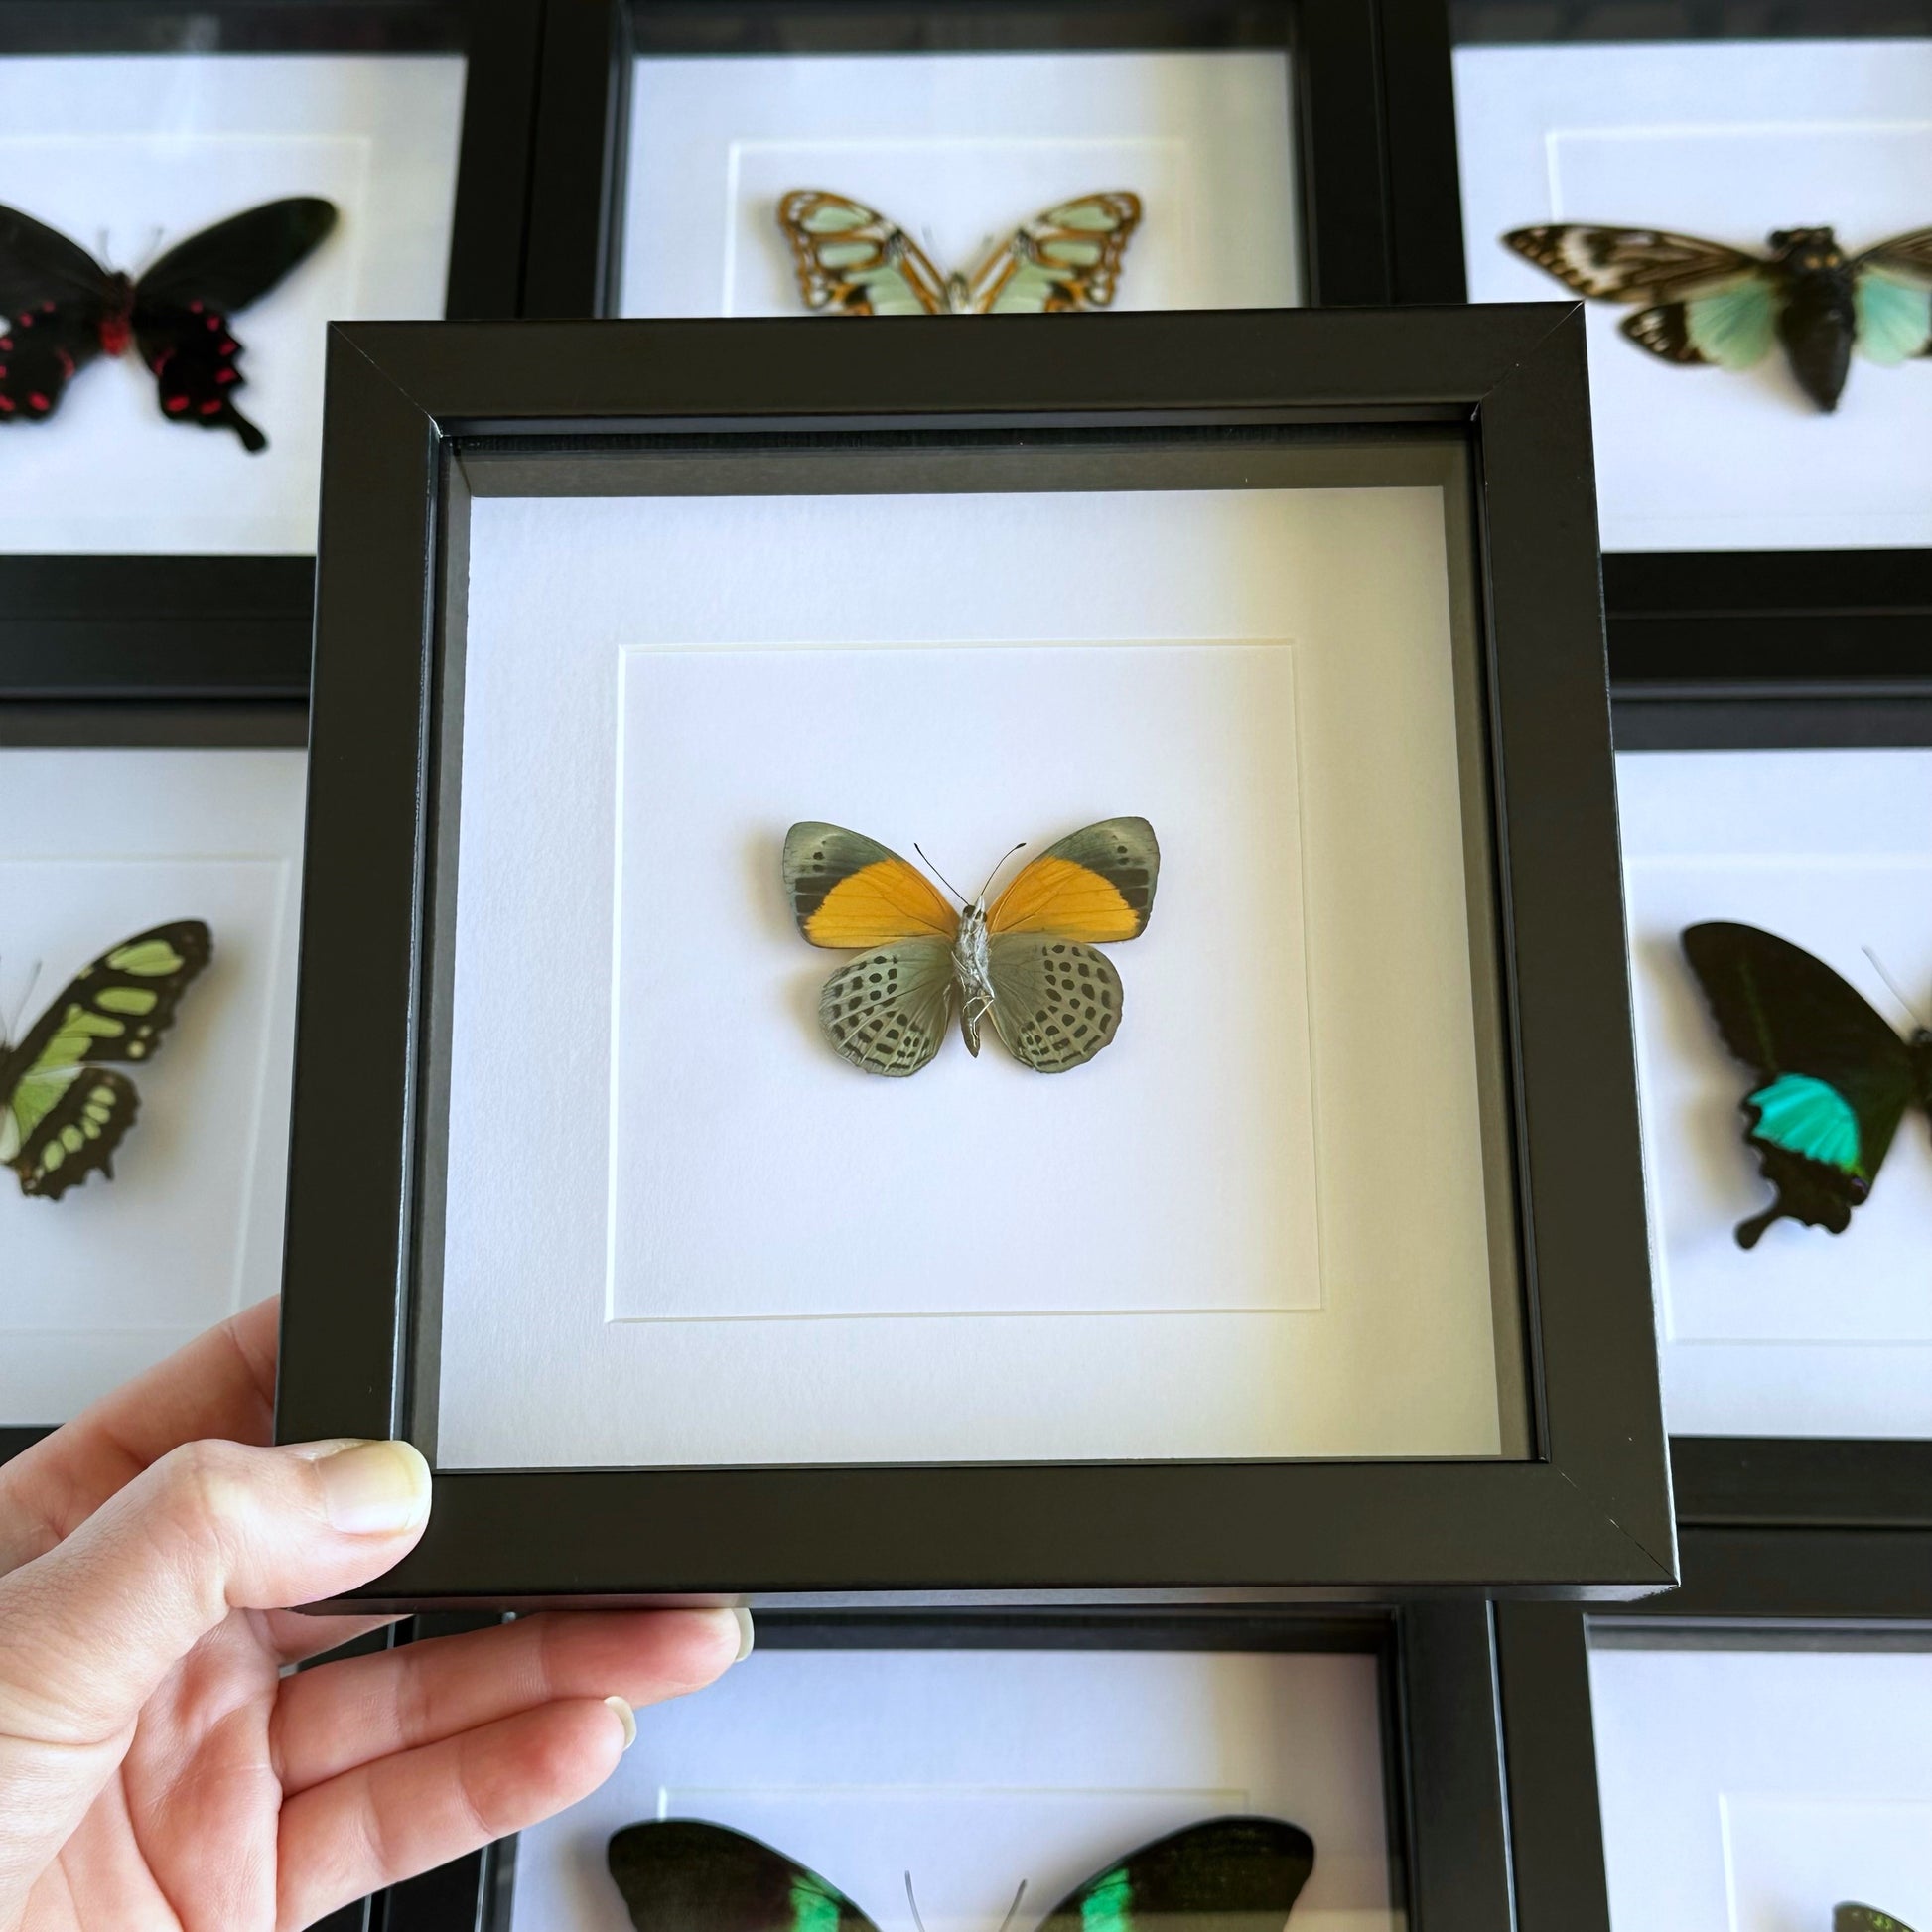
(1448, 1836)
(212, 697)
(89, 612)
(1695, 619)
(1799, 1481)
(1372, 106)
(1843, 1584)
(423, 417)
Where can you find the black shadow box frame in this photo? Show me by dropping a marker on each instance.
(422, 418)
(95, 620)
(174, 697)
(1695, 619)
(1372, 104)
(1768, 1582)
(1448, 1836)
(1798, 1481)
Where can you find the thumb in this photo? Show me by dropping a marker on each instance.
(88, 1631)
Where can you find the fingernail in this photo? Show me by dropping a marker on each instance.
(747, 1636)
(626, 1717)
(374, 1488)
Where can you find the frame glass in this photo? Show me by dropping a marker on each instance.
(968, 451)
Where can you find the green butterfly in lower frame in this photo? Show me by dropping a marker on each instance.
(1864, 1918)
(1835, 1078)
(64, 1108)
(1228, 1874)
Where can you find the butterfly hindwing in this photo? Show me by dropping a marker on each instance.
(854, 261)
(1056, 1001)
(183, 303)
(1834, 1077)
(886, 1010)
(62, 1112)
(680, 1875)
(1066, 257)
(1228, 1874)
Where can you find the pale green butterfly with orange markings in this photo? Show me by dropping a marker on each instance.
(64, 1107)
(1028, 962)
(854, 261)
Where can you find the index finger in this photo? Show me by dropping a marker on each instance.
(222, 1384)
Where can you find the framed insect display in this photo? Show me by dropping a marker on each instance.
(147, 1007)
(957, 156)
(1773, 850)
(1730, 195)
(1749, 1747)
(1198, 1207)
(1345, 1765)
(187, 197)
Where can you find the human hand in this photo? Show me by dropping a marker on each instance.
(156, 1770)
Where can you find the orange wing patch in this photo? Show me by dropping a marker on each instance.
(849, 892)
(1095, 885)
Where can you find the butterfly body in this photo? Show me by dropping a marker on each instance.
(1707, 302)
(65, 309)
(1028, 962)
(1834, 1078)
(1225, 1874)
(852, 260)
(65, 1106)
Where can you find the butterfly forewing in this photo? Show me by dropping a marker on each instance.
(1095, 885)
(1229, 1875)
(854, 261)
(680, 1875)
(1834, 1077)
(848, 890)
(1630, 264)
(1067, 257)
(60, 1115)
(53, 297)
(1850, 1917)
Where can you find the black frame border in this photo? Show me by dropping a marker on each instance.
(1591, 1512)
(87, 612)
(1371, 98)
(1449, 1834)
(1800, 1481)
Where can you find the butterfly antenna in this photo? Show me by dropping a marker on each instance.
(909, 1900)
(1879, 966)
(995, 873)
(939, 875)
(1016, 1897)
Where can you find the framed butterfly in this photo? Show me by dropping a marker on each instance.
(1027, 963)
(1864, 1918)
(1834, 1078)
(64, 1105)
(1229, 1875)
(854, 261)
(1706, 302)
(62, 309)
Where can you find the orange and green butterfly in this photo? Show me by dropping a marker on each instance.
(1027, 962)
(63, 1107)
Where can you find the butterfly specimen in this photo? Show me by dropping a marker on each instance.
(62, 309)
(854, 261)
(1864, 1918)
(64, 1109)
(1705, 302)
(1835, 1078)
(1229, 1875)
(1027, 963)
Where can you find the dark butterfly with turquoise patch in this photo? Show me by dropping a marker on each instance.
(1834, 1076)
(63, 1107)
(1705, 302)
(62, 309)
(1864, 1918)
(1229, 1875)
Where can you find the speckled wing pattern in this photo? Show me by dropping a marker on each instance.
(886, 1010)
